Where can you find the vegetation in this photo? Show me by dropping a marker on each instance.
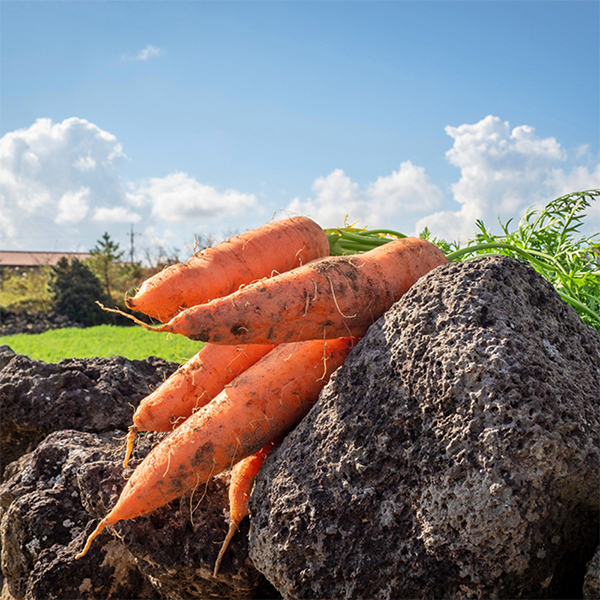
(104, 340)
(75, 291)
(548, 239)
(25, 289)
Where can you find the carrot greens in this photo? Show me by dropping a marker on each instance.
(549, 239)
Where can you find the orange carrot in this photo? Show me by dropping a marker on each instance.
(275, 247)
(329, 298)
(243, 475)
(192, 386)
(265, 401)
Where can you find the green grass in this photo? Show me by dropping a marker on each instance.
(105, 340)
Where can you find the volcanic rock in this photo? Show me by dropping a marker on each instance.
(92, 394)
(454, 455)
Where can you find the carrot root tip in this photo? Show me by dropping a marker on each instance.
(233, 526)
(129, 449)
(99, 529)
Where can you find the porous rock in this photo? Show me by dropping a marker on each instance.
(175, 546)
(15, 322)
(453, 455)
(92, 394)
(591, 583)
(43, 526)
(52, 499)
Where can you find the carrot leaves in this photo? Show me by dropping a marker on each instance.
(548, 238)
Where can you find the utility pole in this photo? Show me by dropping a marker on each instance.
(131, 244)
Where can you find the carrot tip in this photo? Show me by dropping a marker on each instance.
(99, 529)
(129, 449)
(117, 311)
(232, 529)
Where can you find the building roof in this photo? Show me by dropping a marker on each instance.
(17, 258)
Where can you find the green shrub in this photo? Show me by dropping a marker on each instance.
(75, 291)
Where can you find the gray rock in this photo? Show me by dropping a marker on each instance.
(52, 501)
(44, 525)
(94, 395)
(176, 546)
(454, 455)
(52, 497)
(591, 583)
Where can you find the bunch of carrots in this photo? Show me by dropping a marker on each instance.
(279, 315)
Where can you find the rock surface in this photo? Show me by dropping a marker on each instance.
(591, 583)
(44, 525)
(93, 395)
(51, 498)
(12, 322)
(454, 455)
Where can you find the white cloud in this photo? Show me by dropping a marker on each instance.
(146, 53)
(407, 190)
(61, 188)
(179, 197)
(117, 214)
(51, 174)
(504, 171)
(73, 206)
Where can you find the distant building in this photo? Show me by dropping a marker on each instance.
(18, 259)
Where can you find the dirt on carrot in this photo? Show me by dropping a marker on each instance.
(265, 401)
(243, 475)
(191, 387)
(275, 247)
(332, 297)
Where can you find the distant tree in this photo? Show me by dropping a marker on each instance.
(105, 256)
(75, 290)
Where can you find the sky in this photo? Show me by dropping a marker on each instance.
(179, 119)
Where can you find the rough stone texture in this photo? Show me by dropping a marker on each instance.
(176, 546)
(50, 503)
(52, 497)
(12, 322)
(44, 525)
(454, 455)
(591, 583)
(94, 395)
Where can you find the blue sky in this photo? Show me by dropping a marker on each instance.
(186, 118)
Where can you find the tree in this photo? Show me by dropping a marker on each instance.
(75, 290)
(105, 255)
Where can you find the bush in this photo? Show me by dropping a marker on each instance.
(75, 290)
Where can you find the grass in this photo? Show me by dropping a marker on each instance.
(134, 343)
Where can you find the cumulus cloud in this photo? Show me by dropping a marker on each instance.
(73, 206)
(503, 172)
(61, 186)
(53, 173)
(407, 190)
(146, 54)
(117, 214)
(179, 197)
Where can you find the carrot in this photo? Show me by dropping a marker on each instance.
(243, 475)
(332, 297)
(192, 386)
(277, 246)
(265, 401)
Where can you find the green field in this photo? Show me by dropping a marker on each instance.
(105, 340)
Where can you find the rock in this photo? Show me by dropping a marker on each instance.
(14, 322)
(176, 545)
(591, 583)
(93, 395)
(44, 525)
(51, 501)
(453, 455)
